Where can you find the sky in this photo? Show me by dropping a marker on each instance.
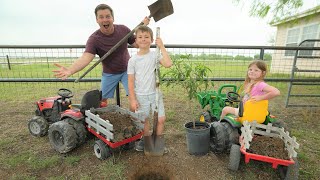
(71, 22)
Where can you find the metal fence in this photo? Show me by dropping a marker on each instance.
(30, 67)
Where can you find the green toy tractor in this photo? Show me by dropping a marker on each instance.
(225, 132)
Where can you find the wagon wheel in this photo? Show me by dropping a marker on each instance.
(290, 172)
(234, 157)
(101, 150)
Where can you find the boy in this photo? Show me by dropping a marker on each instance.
(142, 79)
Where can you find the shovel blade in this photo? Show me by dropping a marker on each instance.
(160, 9)
(154, 145)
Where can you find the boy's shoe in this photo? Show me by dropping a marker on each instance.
(139, 145)
(166, 150)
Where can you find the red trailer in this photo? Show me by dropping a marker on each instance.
(103, 130)
(288, 168)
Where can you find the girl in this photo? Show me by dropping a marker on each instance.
(254, 87)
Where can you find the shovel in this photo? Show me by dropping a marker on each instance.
(154, 144)
(158, 10)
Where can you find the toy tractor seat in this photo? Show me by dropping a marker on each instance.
(253, 111)
(91, 99)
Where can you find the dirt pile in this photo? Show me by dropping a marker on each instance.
(123, 126)
(268, 146)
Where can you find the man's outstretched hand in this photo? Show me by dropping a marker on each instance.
(62, 73)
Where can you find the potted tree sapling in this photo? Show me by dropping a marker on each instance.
(192, 76)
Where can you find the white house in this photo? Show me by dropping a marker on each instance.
(291, 32)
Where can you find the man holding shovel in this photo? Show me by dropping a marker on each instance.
(100, 42)
(142, 80)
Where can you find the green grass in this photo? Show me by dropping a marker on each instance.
(220, 68)
(32, 160)
(43, 69)
(37, 162)
(57, 178)
(113, 170)
(18, 176)
(72, 160)
(5, 143)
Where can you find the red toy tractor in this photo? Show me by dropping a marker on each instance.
(64, 125)
(49, 111)
(68, 125)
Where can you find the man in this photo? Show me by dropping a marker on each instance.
(100, 42)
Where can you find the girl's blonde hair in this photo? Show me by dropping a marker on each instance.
(262, 66)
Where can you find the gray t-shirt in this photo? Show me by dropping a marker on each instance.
(143, 68)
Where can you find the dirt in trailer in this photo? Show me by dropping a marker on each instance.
(123, 126)
(268, 146)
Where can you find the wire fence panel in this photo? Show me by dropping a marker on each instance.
(26, 71)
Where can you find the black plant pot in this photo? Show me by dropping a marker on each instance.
(198, 138)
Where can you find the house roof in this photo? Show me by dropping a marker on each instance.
(308, 12)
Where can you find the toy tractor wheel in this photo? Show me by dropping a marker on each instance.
(217, 137)
(62, 136)
(38, 126)
(232, 134)
(81, 131)
(101, 150)
(290, 172)
(234, 157)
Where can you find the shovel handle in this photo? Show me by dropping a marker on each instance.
(157, 70)
(109, 52)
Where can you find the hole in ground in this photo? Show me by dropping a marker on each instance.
(151, 175)
(153, 172)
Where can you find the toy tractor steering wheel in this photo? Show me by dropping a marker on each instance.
(233, 97)
(65, 93)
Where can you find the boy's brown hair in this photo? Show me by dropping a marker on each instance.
(144, 28)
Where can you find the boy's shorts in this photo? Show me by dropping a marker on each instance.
(109, 83)
(146, 100)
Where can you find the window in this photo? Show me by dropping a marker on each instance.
(292, 40)
(297, 35)
(309, 32)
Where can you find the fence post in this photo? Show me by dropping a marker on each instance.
(48, 62)
(261, 53)
(118, 95)
(8, 62)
